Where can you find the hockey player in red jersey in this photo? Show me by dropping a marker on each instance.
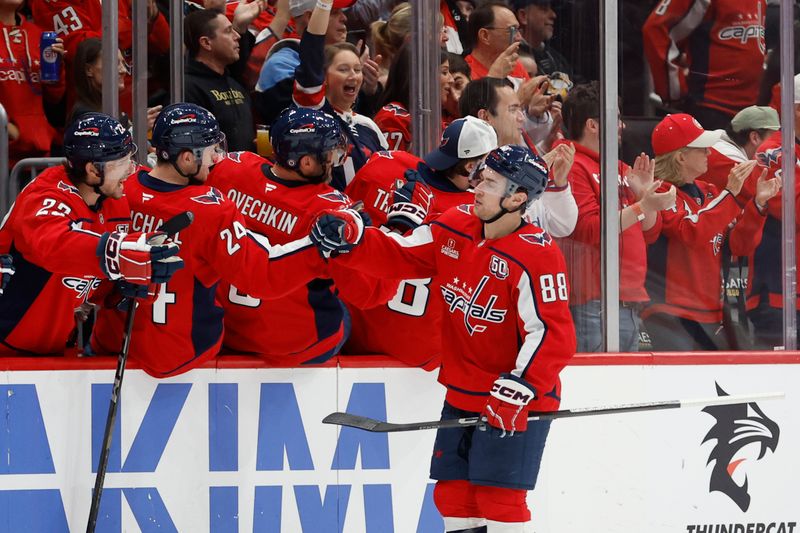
(280, 202)
(407, 327)
(506, 317)
(184, 327)
(60, 225)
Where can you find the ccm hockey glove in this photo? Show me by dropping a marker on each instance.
(6, 270)
(411, 201)
(505, 409)
(140, 258)
(337, 231)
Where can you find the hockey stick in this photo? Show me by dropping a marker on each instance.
(377, 426)
(170, 227)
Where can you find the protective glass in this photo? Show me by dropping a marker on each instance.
(216, 152)
(122, 167)
(492, 183)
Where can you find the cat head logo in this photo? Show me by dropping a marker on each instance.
(743, 434)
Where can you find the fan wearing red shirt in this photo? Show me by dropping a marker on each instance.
(684, 266)
(494, 32)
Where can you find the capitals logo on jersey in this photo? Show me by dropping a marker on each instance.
(464, 299)
(334, 196)
(213, 196)
(67, 187)
(397, 110)
(80, 285)
(770, 157)
(541, 239)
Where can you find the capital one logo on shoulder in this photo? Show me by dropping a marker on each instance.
(459, 298)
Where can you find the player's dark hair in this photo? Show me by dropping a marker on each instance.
(582, 104)
(196, 25)
(481, 94)
(76, 174)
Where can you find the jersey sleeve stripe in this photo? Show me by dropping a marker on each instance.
(278, 251)
(534, 326)
(419, 237)
(451, 230)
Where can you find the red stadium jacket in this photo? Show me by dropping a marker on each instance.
(53, 236)
(408, 326)
(308, 324)
(77, 20)
(504, 302)
(184, 328)
(766, 266)
(684, 277)
(724, 44)
(394, 120)
(582, 248)
(21, 91)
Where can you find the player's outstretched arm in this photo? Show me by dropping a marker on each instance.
(141, 258)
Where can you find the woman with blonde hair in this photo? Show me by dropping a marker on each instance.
(684, 278)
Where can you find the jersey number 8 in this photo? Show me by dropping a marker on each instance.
(554, 290)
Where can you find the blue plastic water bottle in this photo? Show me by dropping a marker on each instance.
(51, 61)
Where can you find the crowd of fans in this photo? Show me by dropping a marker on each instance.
(699, 203)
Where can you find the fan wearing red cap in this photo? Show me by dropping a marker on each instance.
(684, 264)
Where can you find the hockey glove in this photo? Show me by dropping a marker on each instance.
(337, 231)
(505, 409)
(141, 258)
(411, 201)
(6, 271)
(145, 294)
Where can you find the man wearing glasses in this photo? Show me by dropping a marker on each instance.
(495, 38)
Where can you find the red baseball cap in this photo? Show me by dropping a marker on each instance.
(681, 131)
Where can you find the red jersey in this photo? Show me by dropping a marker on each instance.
(52, 235)
(724, 45)
(22, 93)
(504, 302)
(184, 328)
(77, 20)
(685, 277)
(408, 326)
(517, 76)
(766, 266)
(394, 120)
(582, 247)
(307, 325)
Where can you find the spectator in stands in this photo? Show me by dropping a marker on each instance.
(537, 25)
(21, 91)
(456, 24)
(389, 36)
(394, 117)
(329, 78)
(213, 44)
(495, 38)
(640, 223)
(706, 57)
(495, 101)
(749, 128)
(276, 82)
(684, 265)
(77, 21)
(461, 73)
(765, 293)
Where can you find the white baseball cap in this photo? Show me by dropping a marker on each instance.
(464, 138)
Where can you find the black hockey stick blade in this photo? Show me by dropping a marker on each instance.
(378, 426)
(177, 223)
